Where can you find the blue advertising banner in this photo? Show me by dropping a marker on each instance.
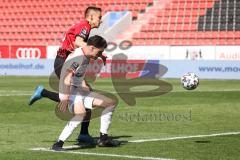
(205, 69)
(43, 67)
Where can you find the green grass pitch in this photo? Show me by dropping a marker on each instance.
(214, 107)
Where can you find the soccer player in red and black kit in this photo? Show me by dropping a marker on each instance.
(76, 36)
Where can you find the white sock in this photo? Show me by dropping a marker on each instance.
(106, 119)
(69, 128)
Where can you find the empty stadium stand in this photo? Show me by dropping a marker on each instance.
(45, 21)
(180, 22)
(193, 22)
(223, 16)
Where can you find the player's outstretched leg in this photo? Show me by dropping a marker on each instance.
(40, 92)
(36, 95)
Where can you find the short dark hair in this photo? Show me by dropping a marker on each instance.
(91, 8)
(97, 41)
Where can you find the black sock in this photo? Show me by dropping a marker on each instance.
(103, 137)
(84, 127)
(51, 95)
(60, 143)
(85, 123)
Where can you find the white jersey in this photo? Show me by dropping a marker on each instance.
(77, 62)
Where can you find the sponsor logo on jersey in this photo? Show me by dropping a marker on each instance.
(83, 33)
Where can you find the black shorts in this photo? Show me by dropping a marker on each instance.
(59, 61)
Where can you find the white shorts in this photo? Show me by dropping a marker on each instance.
(86, 99)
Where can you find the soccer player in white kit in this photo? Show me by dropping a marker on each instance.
(77, 97)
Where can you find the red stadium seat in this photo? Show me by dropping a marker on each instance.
(178, 23)
(55, 16)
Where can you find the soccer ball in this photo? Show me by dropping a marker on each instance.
(189, 81)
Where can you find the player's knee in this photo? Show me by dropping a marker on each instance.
(75, 121)
(111, 103)
(80, 112)
(74, 124)
(79, 109)
(114, 103)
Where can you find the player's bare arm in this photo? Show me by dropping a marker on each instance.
(86, 86)
(66, 93)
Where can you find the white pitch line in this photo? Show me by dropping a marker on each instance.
(140, 141)
(14, 91)
(184, 137)
(102, 154)
(7, 93)
(20, 94)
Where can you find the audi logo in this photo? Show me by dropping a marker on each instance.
(28, 53)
